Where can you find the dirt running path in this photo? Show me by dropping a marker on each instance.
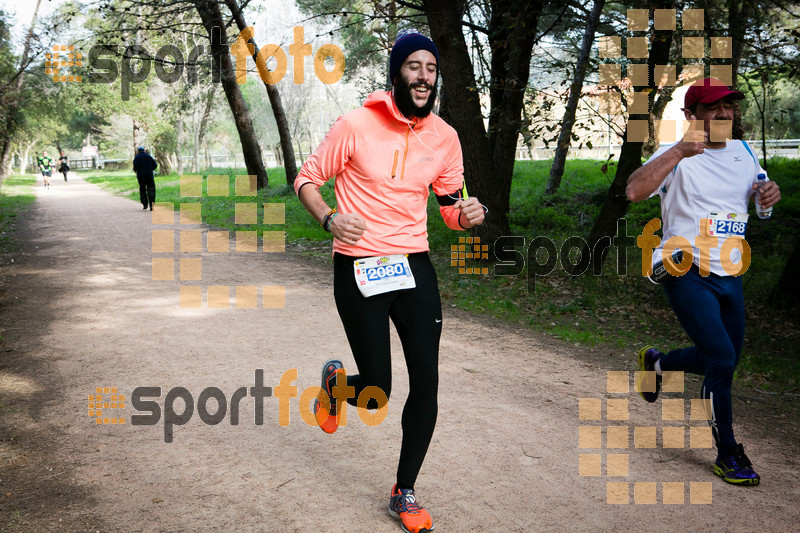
(80, 310)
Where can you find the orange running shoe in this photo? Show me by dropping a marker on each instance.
(329, 421)
(413, 518)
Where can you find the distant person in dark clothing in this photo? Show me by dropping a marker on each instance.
(144, 165)
(63, 166)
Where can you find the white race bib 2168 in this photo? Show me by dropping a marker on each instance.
(727, 224)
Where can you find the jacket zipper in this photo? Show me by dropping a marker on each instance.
(394, 165)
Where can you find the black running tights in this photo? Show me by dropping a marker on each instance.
(417, 316)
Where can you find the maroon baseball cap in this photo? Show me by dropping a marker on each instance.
(708, 91)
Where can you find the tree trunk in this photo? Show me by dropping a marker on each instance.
(162, 158)
(525, 131)
(488, 162)
(557, 170)
(9, 165)
(201, 139)
(289, 165)
(23, 165)
(663, 98)
(10, 119)
(630, 157)
(461, 105)
(300, 151)
(786, 293)
(761, 105)
(512, 31)
(212, 20)
(196, 143)
(136, 136)
(178, 142)
(738, 11)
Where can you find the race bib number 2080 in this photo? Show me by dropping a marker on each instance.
(376, 275)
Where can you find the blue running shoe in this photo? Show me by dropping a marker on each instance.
(645, 386)
(735, 468)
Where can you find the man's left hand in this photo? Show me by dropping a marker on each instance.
(769, 195)
(472, 213)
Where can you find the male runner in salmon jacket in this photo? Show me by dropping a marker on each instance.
(384, 156)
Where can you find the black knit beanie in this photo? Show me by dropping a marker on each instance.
(408, 42)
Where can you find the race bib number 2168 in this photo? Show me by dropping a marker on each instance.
(727, 224)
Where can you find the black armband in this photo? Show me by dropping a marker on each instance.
(450, 199)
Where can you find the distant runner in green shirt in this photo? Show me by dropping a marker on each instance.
(46, 166)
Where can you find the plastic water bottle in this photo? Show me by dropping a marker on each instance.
(660, 272)
(761, 212)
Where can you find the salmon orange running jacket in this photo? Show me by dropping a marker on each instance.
(384, 164)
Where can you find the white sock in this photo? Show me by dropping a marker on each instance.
(657, 366)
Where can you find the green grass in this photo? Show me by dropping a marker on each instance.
(16, 195)
(619, 310)
(219, 211)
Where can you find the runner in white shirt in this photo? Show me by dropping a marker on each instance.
(725, 187)
(698, 179)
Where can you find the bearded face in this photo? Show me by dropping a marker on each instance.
(415, 85)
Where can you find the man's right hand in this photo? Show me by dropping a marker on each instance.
(695, 141)
(348, 227)
(646, 179)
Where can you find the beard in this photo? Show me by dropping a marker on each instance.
(405, 103)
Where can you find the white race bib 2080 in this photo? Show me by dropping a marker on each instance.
(376, 275)
(727, 224)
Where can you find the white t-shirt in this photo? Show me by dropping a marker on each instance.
(718, 180)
